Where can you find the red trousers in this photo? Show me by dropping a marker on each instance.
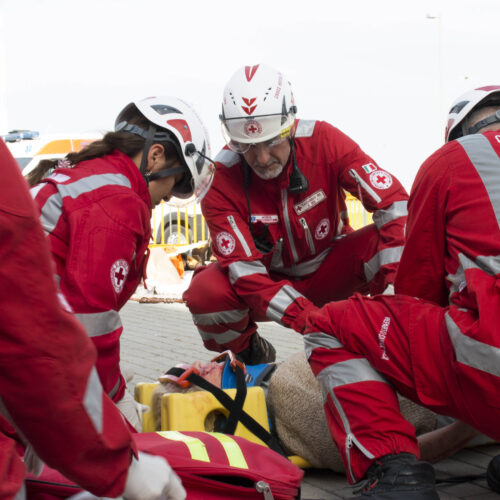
(225, 321)
(363, 349)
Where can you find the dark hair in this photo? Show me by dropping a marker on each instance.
(129, 144)
(40, 171)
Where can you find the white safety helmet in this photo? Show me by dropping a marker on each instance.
(464, 105)
(258, 106)
(173, 120)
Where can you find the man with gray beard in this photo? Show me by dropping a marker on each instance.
(278, 219)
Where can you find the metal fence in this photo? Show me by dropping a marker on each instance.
(181, 229)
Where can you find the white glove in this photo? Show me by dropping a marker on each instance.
(132, 410)
(32, 461)
(151, 478)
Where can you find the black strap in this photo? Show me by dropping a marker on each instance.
(167, 172)
(483, 123)
(239, 401)
(235, 407)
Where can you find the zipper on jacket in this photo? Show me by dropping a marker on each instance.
(263, 487)
(309, 238)
(350, 439)
(288, 227)
(240, 236)
(362, 184)
(348, 446)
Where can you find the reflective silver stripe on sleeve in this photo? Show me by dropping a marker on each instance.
(220, 338)
(21, 494)
(35, 190)
(303, 268)
(278, 304)
(92, 400)
(314, 340)
(487, 164)
(242, 268)
(228, 158)
(51, 212)
(112, 392)
(220, 317)
(457, 280)
(365, 186)
(52, 208)
(488, 264)
(305, 128)
(395, 211)
(92, 182)
(471, 352)
(239, 235)
(102, 323)
(384, 257)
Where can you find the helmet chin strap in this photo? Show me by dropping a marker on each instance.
(166, 172)
(147, 146)
(494, 118)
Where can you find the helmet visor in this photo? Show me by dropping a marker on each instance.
(205, 175)
(255, 129)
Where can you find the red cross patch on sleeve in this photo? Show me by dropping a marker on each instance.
(225, 243)
(118, 274)
(381, 179)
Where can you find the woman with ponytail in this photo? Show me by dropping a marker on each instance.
(97, 214)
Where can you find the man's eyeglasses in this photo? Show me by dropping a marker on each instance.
(242, 147)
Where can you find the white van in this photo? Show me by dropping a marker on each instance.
(28, 147)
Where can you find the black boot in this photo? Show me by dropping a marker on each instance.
(493, 474)
(399, 477)
(258, 351)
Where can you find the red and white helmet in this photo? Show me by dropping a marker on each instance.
(464, 105)
(258, 106)
(175, 121)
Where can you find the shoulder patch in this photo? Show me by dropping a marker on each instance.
(227, 157)
(305, 128)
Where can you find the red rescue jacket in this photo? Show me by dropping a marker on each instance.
(48, 383)
(300, 227)
(97, 216)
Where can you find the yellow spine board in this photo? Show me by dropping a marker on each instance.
(189, 412)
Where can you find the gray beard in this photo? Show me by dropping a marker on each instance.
(270, 173)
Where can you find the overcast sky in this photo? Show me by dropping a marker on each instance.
(383, 71)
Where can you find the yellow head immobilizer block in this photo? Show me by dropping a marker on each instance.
(195, 411)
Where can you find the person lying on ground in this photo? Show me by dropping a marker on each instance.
(295, 404)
